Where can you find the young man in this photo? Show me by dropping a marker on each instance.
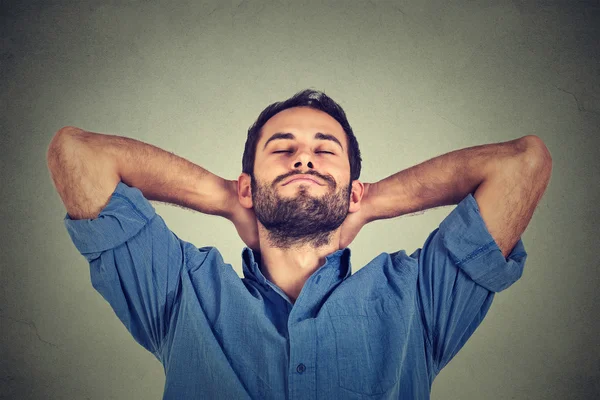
(299, 324)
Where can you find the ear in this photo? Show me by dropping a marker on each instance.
(245, 190)
(356, 196)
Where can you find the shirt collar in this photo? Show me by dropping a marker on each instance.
(338, 262)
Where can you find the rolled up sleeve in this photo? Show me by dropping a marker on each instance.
(460, 269)
(474, 250)
(135, 262)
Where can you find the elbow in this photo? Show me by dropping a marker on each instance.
(58, 140)
(537, 153)
(68, 130)
(62, 134)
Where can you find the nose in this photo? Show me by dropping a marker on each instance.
(299, 164)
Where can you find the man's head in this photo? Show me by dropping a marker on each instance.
(307, 98)
(307, 134)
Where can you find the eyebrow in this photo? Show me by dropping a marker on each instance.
(290, 136)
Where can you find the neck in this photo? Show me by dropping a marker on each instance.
(289, 267)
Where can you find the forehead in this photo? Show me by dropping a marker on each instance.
(302, 121)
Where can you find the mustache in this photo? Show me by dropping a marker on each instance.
(315, 174)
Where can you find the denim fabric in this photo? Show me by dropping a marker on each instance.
(383, 332)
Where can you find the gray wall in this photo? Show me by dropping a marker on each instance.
(416, 78)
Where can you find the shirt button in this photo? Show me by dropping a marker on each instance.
(300, 368)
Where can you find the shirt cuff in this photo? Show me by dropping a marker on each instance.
(474, 250)
(126, 213)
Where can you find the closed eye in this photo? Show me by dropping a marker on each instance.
(289, 151)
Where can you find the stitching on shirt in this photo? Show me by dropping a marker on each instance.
(141, 214)
(476, 252)
(418, 307)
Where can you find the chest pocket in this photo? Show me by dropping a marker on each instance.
(370, 337)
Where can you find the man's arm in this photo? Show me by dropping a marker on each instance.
(508, 198)
(507, 179)
(86, 167)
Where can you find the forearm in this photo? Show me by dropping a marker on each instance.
(158, 174)
(443, 180)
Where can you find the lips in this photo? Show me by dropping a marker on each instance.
(309, 177)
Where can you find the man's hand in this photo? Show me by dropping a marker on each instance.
(355, 221)
(244, 219)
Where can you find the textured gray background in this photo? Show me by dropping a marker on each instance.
(416, 78)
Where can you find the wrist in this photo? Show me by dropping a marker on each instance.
(369, 204)
(229, 201)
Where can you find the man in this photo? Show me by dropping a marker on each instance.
(299, 324)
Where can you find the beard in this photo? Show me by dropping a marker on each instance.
(303, 218)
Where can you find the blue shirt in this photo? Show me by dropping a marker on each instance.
(385, 331)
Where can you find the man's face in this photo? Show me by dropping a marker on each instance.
(301, 212)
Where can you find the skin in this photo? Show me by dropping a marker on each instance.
(299, 224)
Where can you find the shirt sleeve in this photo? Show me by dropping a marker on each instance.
(460, 269)
(135, 262)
